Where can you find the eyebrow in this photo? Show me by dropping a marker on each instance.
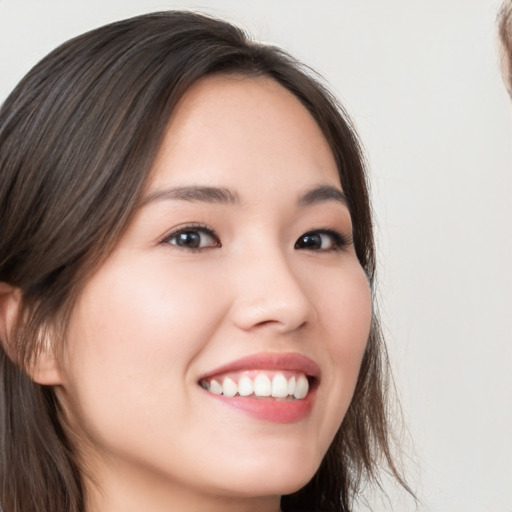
(222, 195)
(322, 194)
(216, 195)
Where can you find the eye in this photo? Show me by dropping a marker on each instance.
(193, 238)
(322, 240)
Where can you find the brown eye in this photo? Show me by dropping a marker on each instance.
(193, 238)
(321, 240)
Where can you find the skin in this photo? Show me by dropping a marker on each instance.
(156, 317)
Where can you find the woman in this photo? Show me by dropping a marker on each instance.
(186, 264)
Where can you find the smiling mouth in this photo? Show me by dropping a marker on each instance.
(270, 386)
(260, 384)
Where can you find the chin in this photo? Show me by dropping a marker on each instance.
(270, 484)
(277, 475)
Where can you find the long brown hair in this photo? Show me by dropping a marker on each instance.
(78, 137)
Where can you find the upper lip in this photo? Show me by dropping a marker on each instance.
(290, 361)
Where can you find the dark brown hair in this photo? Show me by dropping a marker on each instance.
(505, 31)
(78, 137)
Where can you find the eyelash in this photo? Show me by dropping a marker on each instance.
(339, 241)
(193, 228)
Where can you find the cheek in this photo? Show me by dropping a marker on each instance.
(353, 324)
(147, 309)
(347, 314)
(344, 305)
(133, 336)
(352, 315)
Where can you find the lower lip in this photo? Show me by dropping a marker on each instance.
(267, 409)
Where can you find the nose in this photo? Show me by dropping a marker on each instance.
(269, 294)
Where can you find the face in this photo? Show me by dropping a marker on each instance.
(216, 351)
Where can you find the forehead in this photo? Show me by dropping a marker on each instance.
(242, 130)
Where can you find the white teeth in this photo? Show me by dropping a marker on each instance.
(262, 385)
(291, 386)
(215, 387)
(301, 387)
(295, 387)
(245, 386)
(229, 387)
(279, 386)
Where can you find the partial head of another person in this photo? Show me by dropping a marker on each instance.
(505, 33)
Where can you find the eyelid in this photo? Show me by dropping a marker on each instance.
(194, 226)
(341, 241)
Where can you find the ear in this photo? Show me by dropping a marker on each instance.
(10, 300)
(44, 369)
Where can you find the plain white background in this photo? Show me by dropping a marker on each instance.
(421, 81)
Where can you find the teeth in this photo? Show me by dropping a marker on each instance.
(245, 386)
(229, 387)
(262, 385)
(291, 386)
(295, 387)
(279, 386)
(215, 387)
(301, 387)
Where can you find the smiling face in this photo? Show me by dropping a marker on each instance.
(236, 277)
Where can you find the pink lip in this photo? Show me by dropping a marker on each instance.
(277, 411)
(270, 361)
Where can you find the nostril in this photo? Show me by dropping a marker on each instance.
(278, 322)
(282, 318)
